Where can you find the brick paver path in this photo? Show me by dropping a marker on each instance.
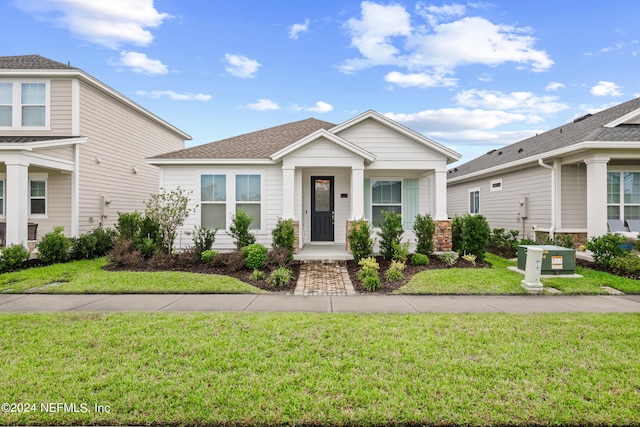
(324, 278)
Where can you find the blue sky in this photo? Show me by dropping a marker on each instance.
(472, 76)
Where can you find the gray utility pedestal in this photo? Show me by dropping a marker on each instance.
(531, 282)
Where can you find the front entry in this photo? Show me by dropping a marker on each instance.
(322, 209)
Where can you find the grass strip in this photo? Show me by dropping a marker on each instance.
(88, 277)
(321, 369)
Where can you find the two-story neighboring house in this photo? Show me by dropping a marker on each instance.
(72, 150)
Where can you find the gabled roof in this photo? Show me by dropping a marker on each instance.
(260, 144)
(322, 133)
(31, 62)
(594, 127)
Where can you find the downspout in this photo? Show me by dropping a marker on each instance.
(552, 229)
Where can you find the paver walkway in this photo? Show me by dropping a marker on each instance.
(324, 278)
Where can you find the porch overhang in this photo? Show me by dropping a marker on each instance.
(324, 134)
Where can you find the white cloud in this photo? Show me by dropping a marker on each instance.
(241, 66)
(423, 80)
(554, 86)
(174, 96)
(522, 102)
(320, 107)
(107, 23)
(296, 29)
(605, 88)
(140, 63)
(456, 119)
(264, 105)
(384, 35)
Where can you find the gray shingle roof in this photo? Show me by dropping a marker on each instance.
(31, 62)
(588, 128)
(255, 145)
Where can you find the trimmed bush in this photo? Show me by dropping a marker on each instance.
(627, 265)
(239, 229)
(203, 239)
(128, 225)
(280, 277)
(449, 258)
(395, 272)
(124, 254)
(284, 236)
(208, 256)
(360, 240)
(96, 243)
(390, 232)
(371, 283)
(606, 247)
(13, 256)
(456, 233)
(278, 257)
(256, 256)
(54, 247)
(368, 273)
(419, 259)
(424, 228)
(473, 233)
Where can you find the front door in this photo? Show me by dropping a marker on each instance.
(322, 213)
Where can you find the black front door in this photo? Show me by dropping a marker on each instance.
(322, 214)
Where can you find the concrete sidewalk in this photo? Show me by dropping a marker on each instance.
(320, 304)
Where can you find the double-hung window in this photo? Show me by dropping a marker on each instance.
(37, 197)
(385, 196)
(213, 196)
(249, 197)
(623, 195)
(474, 201)
(23, 104)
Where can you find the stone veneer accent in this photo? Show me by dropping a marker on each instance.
(579, 239)
(350, 224)
(442, 238)
(296, 230)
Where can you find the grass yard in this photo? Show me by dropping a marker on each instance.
(89, 277)
(500, 281)
(319, 369)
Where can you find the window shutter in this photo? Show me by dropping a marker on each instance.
(410, 202)
(367, 199)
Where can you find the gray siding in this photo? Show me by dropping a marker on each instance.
(574, 196)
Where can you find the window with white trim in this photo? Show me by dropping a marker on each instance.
(495, 185)
(474, 201)
(37, 197)
(623, 195)
(213, 199)
(249, 197)
(24, 104)
(385, 196)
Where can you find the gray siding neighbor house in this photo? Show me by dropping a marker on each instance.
(321, 175)
(72, 150)
(569, 180)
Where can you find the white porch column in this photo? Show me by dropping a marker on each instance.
(440, 188)
(288, 191)
(75, 193)
(17, 196)
(357, 193)
(596, 195)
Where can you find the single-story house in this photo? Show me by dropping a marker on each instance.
(569, 180)
(321, 175)
(72, 150)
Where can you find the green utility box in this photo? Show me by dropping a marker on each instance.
(556, 260)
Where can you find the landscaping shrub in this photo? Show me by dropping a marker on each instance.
(449, 258)
(360, 240)
(150, 236)
(424, 228)
(456, 233)
(395, 271)
(208, 256)
(503, 243)
(125, 255)
(278, 257)
(96, 243)
(627, 265)
(239, 229)
(13, 256)
(470, 258)
(390, 231)
(475, 235)
(203, 239)
(371, 283)
(368, 273)
(255, 256)
(400, 251)
(54, 247)
(564, 240)
(257, 275)
(419, 259)
(235, 260)
(169, 209)
(284, 236)
(606, 247)
(128, 225)
(280, 277)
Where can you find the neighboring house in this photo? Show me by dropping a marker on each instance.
(321, 175)
(72, 149)
(568, 180)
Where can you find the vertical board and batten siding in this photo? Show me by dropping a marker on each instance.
(188, 178)
(574, 196)
(502, 208)
(121, 138)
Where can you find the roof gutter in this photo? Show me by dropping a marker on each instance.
(554, 173)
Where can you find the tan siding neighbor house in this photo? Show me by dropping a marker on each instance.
(72, 150)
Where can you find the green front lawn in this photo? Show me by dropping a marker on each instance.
(322, 369)
(89, 277)
(497, 280)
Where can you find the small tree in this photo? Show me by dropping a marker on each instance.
(239, 229)
(390, 232)
(475, 235)
(360, 241)
(424, 227)
(169, 210)
(284, 236)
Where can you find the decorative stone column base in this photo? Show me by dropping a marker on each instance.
(442, 238)
(296, 242)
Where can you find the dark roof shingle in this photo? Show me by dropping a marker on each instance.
(254, 145)
(31, 62)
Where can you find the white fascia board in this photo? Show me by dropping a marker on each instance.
(582, 146)
(322, 133)
(161, 162)
(97, 83)
(50, 162)
(623, 119)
